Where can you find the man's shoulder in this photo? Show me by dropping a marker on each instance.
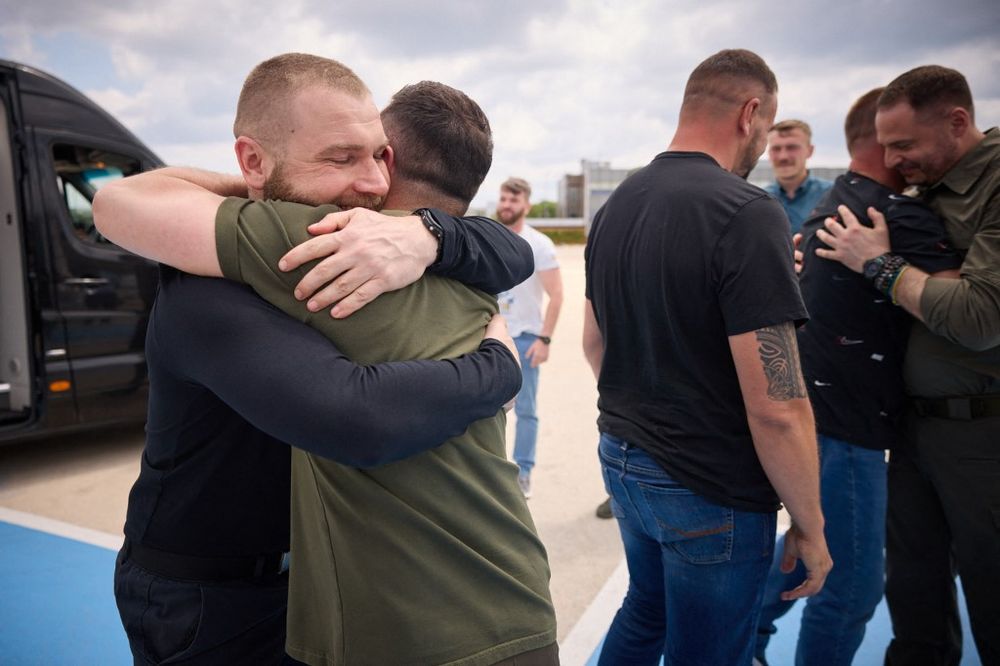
(820, 183)
(538, 240)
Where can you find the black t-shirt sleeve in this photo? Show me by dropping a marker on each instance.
(482, 253)
(753, 270)
(918, 235)
(289, 381)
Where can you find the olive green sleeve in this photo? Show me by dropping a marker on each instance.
(967, 311)
(251, 236)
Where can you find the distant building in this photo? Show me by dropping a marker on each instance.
(570, 203)
(591, 188)
(599, 181)
(763, 174)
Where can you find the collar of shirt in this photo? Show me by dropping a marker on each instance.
(961, 177)
(805, 186)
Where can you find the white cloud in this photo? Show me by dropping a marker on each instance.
(560, 79)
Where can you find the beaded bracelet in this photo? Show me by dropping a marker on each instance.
(884, 271)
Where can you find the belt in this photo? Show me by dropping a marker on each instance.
(205, 569)
(965, 408)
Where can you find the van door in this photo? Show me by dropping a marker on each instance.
(103, 293)
(15, 363)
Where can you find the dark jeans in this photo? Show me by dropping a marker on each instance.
(179, 622)
(696, 569)
(943, 519)
(852, 483)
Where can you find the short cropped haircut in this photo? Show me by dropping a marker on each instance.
(721, 78)
(860, 122)
(517, 186)
(930, 88)
(274, 82)
(440, 137)
(792, 124)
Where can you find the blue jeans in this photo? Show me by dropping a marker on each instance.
(853, 496)
(526, 433)
(696, 569)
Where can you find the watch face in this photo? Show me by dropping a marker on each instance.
(872, 267)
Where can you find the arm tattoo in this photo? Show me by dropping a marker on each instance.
(779, 352)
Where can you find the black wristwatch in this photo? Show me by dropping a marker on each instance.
(546, 339)
(872, 267)
(433, 226)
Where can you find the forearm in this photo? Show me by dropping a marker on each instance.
(785, 442)
(965, 311)
(551, 314)
(292, 383)
(780, 419)
(908, 289)
(482, 253)
(166, 215)
(396, 410)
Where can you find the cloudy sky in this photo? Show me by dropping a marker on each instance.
(561, 80)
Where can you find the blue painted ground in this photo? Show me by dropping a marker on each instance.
(57, 604)
(781, 649)
(57, 608)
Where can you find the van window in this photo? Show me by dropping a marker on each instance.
(81, 171)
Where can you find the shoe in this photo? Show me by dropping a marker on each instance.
(604, 509)
(524, 482)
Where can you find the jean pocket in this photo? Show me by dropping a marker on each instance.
(610, 484)
(696, 530)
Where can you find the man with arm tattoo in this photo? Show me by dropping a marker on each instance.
(705, 425)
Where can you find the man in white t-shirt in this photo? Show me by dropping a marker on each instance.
(522, 307)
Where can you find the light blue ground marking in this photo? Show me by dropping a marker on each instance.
(57, 604)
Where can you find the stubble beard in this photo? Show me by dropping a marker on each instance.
(280, 188)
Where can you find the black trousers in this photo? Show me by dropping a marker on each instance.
(943, 518)
(180, 622)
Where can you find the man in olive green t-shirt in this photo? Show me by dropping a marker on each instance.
(430, 560)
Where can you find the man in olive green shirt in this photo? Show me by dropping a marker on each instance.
(944, 482)
(433, 559)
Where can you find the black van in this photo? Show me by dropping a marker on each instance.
(73, 306)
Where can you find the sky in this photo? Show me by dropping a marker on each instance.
(561, 80)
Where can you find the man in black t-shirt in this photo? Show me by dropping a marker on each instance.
(704, 419)
(852, 354)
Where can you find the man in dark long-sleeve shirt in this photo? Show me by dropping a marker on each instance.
(233, 381)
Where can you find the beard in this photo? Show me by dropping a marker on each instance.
(280, 188)
(745, 162)
(509, 218)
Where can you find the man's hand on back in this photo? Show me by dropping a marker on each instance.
(363, 254)
(852, 243)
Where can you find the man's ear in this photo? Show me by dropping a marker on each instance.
(748, 112)
(389, 157)
(959, 121)
(254, 162)
(809, 153)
